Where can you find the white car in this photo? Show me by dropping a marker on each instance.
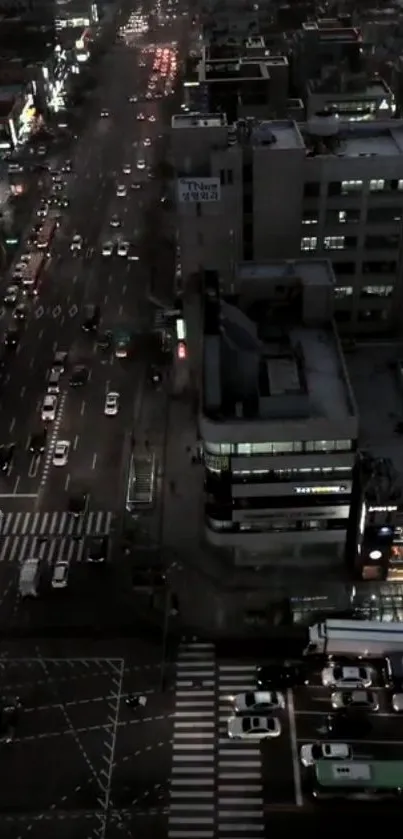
(123, 248)
(121, 191)
(127, 169)
(49, 405)
(107, 249)
(111, 404)
(133, 98)
(42, 211)
(141, 164)
(151, 118)
(311, 752)
(260, 701)
(140, 117)
(115, 221)
(253, 728)
(60, 574)
(61, 453)
(347, 677)
(11, 295)
(147, 142)
(77, 243)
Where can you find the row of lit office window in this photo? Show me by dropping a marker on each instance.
(312, 189)
(341, 243)
(283, 447)
(372, 291)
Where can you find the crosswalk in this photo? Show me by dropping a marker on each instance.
(216, 789)
(55, 524)
(192, 790)
(19, 548)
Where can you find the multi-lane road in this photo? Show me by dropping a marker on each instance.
(99, 445)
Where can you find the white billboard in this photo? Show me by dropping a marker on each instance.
(198, 190)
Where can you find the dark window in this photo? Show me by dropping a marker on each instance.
(247, 173)
(198, 209)
(248, 251)
(382, 242)
(342, 315)
(222, 177)
(384, 215)
(248, 232)
(230, 177)
(342, 269)
(247, 204)
(350, 242)
(311, 189)
(334, 188)
(384, 267)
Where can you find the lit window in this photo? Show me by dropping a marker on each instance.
(309, 243)
(377, 291)
(308, 218)
(334, 243)
(377, 185)
(350, 186)
(400, 184)
(343, 291)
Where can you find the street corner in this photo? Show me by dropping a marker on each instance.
(68, 707)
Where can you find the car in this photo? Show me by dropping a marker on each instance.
(49, 406)
(67, 166)
(6, 456)
(76, 243)
(348, 723)
(123, 248)
(105, 340)
(397, 703)
(64, 202)
(255, 702)
(107, 249)
(60, 574)
(11, 295)
(253, 728)
(136, 185)
(61, 453)
(10, 708)
(340, 676)
(42, 211)
(104, 113)
(92, 317)
(147, 142)
(115, 221)
(288, 675)
(311, 752)
(151, 118)
(60, 359)
(42, 150)
(58, 186)
(37, 442)
(78, 503)
(111, 404)
(20, 312)
(79, 376)
(127, 169)
(141, 164)
(133, 98)
(121, 191)
(12, 338)
(98, 549)
(122, 344)
(140, 117)
(365, 700)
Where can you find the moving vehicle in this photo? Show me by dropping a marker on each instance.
(122, 344)
(369, 780)
(111, 404)
(79, 376)
(46, 234)
(61, 453)
(253, 728)
(98, 549)
(123, 248)
(32, 272)
(60, 575)
(121, 191)
(92, 317)
(12, 338)
(20, 312)
(365, 700)
(76, 243)
(60, 359)
(104, 113)
(105, 340)
(346, 677)
(54, 380)
(37, 442)
(6, 456)
(11, 296)
(30, 577)
(127, 169)
(311, 752)
(78, 503)
(141, 164)
(362, 639)
(255, 702)
(115, 221)
(107, 249)
(289, 674)
(49, 405)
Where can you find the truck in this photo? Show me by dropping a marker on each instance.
(30, 578)
(356, 638)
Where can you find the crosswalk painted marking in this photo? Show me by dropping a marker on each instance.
(18, 549)
(55, 524)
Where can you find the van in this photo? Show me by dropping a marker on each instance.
(30, 577)
(54, 381)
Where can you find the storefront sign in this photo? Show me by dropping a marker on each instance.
(198, 190)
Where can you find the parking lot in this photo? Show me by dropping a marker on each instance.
(304, 721)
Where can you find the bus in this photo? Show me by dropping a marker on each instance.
(364, 639)
(358, 780)
(46, 234)
(32, 273)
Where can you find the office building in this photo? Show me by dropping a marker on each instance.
(258, 191)
(278, 418)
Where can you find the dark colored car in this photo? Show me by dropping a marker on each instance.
(12, 338)
(6, 456)
(92, 317)
(20, 312)
(287, 675)
(10, 708)
(105, 340)
(98, 549)
(37, 441)
(348, 724)
(79, 376)
(78, 503)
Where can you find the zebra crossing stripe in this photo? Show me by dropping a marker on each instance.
(18, 549)
(55, 524)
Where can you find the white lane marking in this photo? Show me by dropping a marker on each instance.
(294, 750)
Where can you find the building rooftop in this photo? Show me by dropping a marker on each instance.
(262, 358)
(196, 120)
(277, 134)
(356, 86)
(376, 375)
(353, 139)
